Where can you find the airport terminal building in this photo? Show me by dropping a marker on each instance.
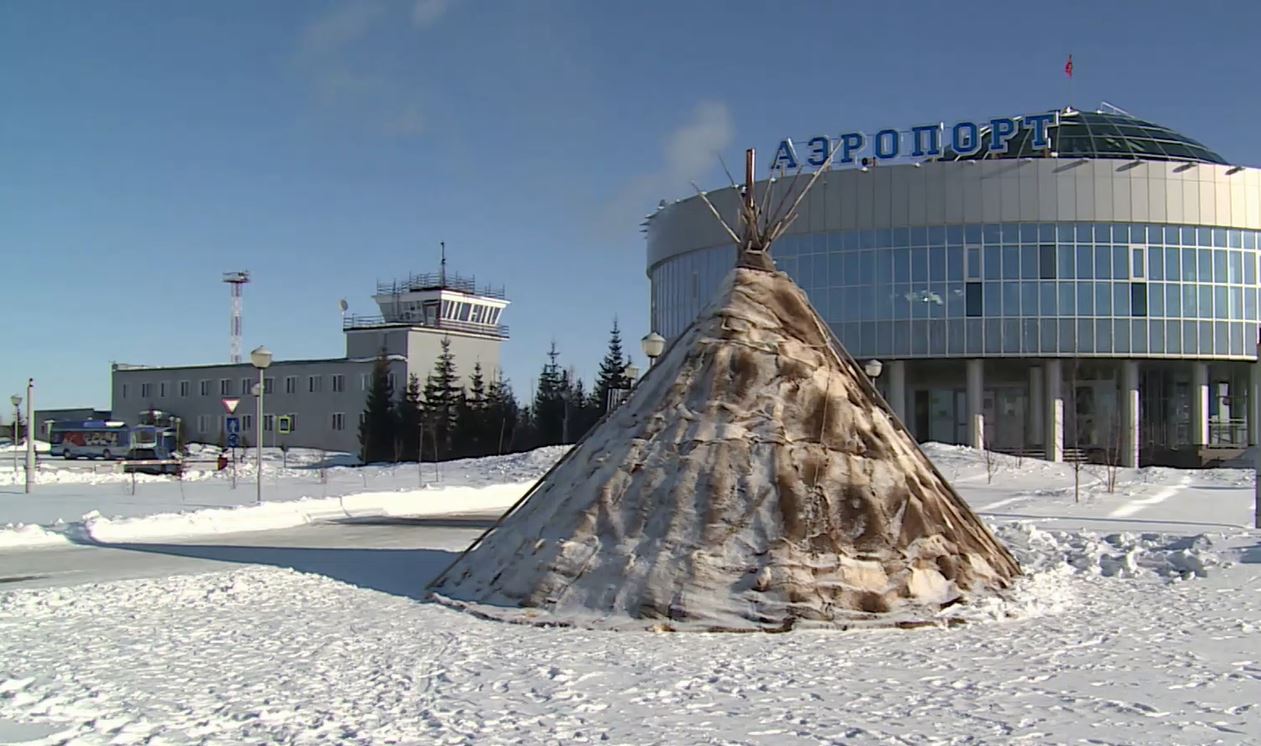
(318, 403)
(1065, 282)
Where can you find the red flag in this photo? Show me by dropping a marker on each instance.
(1068, 66)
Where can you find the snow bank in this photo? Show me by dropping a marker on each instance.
(1055, 561)
(268, 516)
(1124, 554)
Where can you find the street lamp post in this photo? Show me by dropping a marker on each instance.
(872, 368)
(16, 401)
(260, 358)
(653, 344)
(30, 437)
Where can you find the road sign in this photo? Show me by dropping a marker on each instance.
(232, 425)
(230, 405)
(234, 440)
(284, 424)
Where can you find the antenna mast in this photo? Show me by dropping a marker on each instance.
(236, 280)
(442, 271)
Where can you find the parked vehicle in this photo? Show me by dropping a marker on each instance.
(89, 439)
(151, 461)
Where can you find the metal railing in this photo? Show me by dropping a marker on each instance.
(499, 331)
(438, 281)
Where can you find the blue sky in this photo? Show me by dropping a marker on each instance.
(148, 147)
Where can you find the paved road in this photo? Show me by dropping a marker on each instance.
(381, 553)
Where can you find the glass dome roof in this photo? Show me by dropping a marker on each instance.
(1098, 134)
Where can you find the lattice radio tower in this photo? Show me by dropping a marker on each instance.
(237, 281)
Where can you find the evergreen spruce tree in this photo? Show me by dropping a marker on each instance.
(503, 416)
(473, 431)
(441, 405)
(409, 419)
(377, 430)
(583, 412)
(526, 435)
(612, 373)
(550, 397)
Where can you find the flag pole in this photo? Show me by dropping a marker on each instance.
(1068, 70)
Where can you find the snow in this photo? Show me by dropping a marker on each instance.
(77, 501)
(1137, 628)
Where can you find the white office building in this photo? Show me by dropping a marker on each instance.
(322, 400)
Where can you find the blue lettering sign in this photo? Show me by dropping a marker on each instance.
(933, 132)
(1002, 129)
(851, 141)
(785, 157)
(887, 143)
(820, 149)
(1039, 123)
(927, 141)
(965, 138)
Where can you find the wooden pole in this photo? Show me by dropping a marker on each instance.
(750, 159)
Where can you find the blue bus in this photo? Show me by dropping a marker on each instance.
(104, 439)
(161, 440)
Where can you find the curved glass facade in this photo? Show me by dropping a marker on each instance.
(1007, 289)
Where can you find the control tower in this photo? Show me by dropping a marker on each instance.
(418, 311)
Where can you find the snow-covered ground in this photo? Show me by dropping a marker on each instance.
(1138, 621)
(95, 499)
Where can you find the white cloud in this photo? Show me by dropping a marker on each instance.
(334, 56)
(691, 149)
(341, 26)
(690, 153)
(427, 12)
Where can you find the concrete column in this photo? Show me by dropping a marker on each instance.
(1129, 413)
(1198, 432)
(1036, 430)
(976, 416)
(897, 388)
(1053, 441)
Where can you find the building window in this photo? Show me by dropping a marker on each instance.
(365, 379)
(390, 379)
(162, 389)
(973, 299)
(291, 384)
(1138, 299)
(1138, 262)
(1046, 262)
(247, 423)
(203, 424)
(205, 387)
(146, 390)
(225, 387)
(313, 384)
(972, 263)
(269, 385)
(339, 421)
(247, 386)
(363, 418)
(339, 382)
(184, 387)
(269, 422)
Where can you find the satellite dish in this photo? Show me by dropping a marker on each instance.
(344, 305)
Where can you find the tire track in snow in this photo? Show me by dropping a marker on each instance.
(1157, 497)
